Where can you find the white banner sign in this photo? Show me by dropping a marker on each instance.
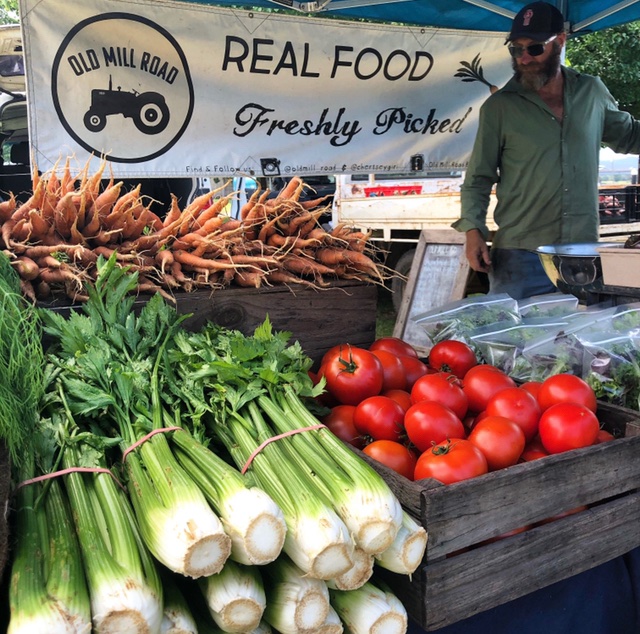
(175, 89)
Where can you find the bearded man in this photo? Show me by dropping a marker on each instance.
(538, 142)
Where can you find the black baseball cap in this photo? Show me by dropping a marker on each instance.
(537, 21)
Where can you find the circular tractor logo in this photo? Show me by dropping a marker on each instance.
(122, 88)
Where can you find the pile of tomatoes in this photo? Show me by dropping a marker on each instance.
(450, 417)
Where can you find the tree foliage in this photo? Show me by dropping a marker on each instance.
(614, 56)
(9, 11)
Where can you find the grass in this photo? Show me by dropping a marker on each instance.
(386, 315)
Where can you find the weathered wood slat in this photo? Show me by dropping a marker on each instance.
(485, 577)
(344, 312)
(462, 576)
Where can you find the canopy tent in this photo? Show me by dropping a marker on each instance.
(477, 15)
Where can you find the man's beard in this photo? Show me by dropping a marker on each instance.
(536, 75)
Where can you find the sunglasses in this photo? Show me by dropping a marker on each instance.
(535, 50)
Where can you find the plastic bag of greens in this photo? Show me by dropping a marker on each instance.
(563, 351)
(503, 346)
(548, 306)
(457, 320)
(611, 365)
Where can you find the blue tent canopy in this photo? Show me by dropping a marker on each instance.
(582, 16)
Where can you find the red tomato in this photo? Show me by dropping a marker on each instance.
(497, 538)
(353, 374)
(394, 376)
(340, 421)
(483, 366)
(395, 346)
(566, 388)
(394, 455)
(402, 397)
(533, 387)
(501, 441)
(534, 450)
(578, 509)
(379, 417)
(452, 356)
(517, 405)
(428, 423)
(481, 383)
(441, 388)
(333, 352)
(566, 426)
(451, 461)
(532, 453)
(413, 369)
(604, 436)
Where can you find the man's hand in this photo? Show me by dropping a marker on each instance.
(477, 251)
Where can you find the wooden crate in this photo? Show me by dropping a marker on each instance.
(460, 578)
(344, 312)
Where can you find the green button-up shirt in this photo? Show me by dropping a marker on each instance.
(545, 170)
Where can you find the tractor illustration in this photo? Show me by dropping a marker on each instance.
(148, 110)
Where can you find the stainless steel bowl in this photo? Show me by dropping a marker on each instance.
(574, 268)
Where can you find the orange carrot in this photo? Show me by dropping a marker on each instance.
(39, 225)
(291, 242)
(248, 206)
(174, 211)
(7, 207)
(26, 268)
(188, 259)
(305, 266)
(104, 202)
(252, 279)
(289, 190)
(164, 258)
(67, 182)
(64, 215)
(27, 290)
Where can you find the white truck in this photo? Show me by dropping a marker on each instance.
(396, 208)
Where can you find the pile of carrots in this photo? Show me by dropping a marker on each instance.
(55, 237)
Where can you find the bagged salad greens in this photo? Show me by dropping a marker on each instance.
(548, 306)
(457, 320)
(503, 346)
(611, 365)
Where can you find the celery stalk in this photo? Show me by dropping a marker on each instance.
(408, 548)
(48, 591)
(235, 597)
(317, 540)
(124, 597)
(360, 496)
(370, 610)
(176, 617)
(357, 575)
(176, 521)
(253, 521)
(295, 602)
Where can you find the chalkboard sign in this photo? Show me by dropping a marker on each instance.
(439, 275)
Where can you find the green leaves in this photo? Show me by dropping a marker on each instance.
(21, 366)
(613, 55)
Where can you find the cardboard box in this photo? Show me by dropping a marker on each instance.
(620, 266)
(463, 575)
